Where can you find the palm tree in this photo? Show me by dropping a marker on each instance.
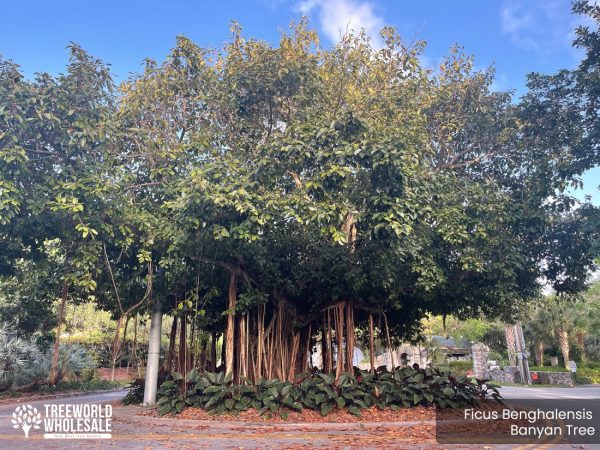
(538, 333)
(562, 315)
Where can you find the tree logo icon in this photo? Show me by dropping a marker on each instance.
(26, 417)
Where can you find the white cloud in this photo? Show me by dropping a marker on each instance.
(543, 27)
(337, 17)
(513, 19)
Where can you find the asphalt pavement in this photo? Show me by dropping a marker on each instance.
(571, 393)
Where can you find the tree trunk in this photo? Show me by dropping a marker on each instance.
(133, 358)
(324, 355)
(389, 342)
(182, 352)
(280, 367)
(171, 351)
(563, 343)
(61, 317)
(230, 332)
(221, 366)
(339, 336)
(243, 347)
(329, 343)
(371, 344)
(581, 344)
(294, 356)
(349, 338)
(539, 354)
(201, 362)
(260, 323)
(213, 352)
(116, 348)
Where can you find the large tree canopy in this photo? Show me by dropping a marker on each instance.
(284, 195)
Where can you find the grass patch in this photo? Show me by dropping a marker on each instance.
(548, 369)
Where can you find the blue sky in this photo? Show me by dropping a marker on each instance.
(516, 36)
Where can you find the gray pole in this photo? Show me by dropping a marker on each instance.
(153, 355)
(522, 354)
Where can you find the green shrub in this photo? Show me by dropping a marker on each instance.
(593, 375)
(579, 379)
(135, 396)
(591, 365)
(170, 399)
(273, 396)
(88, 374)
(76, 385)
(404, 387)
(216, 394)
(460, 367)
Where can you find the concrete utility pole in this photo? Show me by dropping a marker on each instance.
(522, 354)
(153, 363)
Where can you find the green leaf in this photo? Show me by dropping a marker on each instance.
(326, 408)
(354, 410)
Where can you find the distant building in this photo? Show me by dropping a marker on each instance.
(454, 350)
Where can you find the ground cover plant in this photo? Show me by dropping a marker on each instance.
(404, 387)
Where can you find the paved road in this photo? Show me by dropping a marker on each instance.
(132, 431)
(7, 409)
(579, 392)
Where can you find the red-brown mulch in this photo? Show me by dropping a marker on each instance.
(417, 414)
(373, 414)
(376, 433)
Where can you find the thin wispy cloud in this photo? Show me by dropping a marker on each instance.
(513, 19)
(544, 27)
(337, 17)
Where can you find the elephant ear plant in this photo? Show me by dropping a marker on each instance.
(404, 387)
(274, 396)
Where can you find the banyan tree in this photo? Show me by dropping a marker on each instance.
(278, 198)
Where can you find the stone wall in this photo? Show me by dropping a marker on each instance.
(510, 374)
(563, 378)
(480, 361)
